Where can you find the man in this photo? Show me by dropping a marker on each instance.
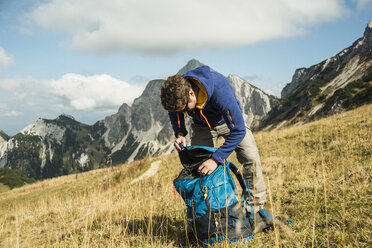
(208, 98)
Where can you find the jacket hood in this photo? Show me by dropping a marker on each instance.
(200, 76)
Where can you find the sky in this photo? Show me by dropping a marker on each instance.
(85, 58)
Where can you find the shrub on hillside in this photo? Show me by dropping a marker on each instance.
(13, 179)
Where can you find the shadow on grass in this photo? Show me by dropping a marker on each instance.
(159, 228)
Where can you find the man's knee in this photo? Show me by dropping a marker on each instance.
(249, 171)
(248, 157)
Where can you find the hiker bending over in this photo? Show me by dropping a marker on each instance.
(208, 98)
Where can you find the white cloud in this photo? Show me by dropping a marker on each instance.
(174, 25)
(5, 59)
(90, 92)
(80, 92)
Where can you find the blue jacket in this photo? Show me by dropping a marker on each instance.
(216, 105)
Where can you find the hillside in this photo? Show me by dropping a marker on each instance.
(335, 85)
(318, 174)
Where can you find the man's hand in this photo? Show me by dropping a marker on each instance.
(207, 167)
(180, 140)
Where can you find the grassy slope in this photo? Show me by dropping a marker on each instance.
(318, 174)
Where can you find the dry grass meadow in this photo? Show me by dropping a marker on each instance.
(318, 174)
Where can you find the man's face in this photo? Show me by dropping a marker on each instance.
(191, 104)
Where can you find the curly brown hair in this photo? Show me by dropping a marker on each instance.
(175, 93)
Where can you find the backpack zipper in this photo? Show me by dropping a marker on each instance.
(204, 193)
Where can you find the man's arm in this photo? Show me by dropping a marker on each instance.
(236, 124)
(231, 111)
(178, 125)
(233, 117)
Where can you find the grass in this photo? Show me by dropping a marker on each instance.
(319, 175)
(4, 187)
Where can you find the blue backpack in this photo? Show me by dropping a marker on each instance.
(214, 212)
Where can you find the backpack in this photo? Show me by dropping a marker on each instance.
(213, 211)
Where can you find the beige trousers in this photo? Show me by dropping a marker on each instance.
(246, 152)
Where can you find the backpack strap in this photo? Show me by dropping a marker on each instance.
(240, 178)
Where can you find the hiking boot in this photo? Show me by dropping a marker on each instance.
(263, 221)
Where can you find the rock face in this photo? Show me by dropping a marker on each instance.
(3, 140)
(192, 64)
(3, 136)
(49, 148)
(332, 86)
(255, 103)
(140, 130)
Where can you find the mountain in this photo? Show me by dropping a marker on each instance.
(333, 86)
(139, 130)
(255, 103)
(49, 148)
(192, 64)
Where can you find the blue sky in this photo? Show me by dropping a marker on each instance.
(87, 57)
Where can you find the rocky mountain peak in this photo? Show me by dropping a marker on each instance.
(152, 89)
(63, 121)
(65, 116)
(368, 36)
(192, 64)
(368, 28)
(124, 108)
(44, 128)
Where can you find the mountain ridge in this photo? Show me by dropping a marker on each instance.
(4, 136)
(332, 86)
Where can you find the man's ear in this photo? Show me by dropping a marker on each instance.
(191, 92)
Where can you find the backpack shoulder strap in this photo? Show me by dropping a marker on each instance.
(240, 178)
